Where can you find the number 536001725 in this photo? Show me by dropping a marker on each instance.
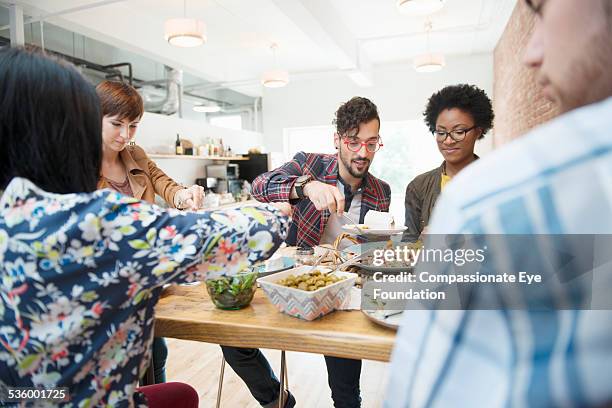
(34, 394)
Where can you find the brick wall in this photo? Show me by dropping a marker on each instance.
(517, 100)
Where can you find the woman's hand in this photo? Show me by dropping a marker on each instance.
(285, 208)
(191, 198)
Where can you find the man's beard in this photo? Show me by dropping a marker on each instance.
(347, 164)
(592, 81)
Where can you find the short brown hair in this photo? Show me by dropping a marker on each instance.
(120, 99)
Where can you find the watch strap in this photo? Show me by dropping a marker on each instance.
(299, 185)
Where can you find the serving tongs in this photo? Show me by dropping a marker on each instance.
(352, 261)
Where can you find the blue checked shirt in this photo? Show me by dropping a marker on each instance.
(555, 180)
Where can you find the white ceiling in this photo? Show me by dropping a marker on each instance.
(313, 35)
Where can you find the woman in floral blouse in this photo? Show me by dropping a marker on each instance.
(81, 270)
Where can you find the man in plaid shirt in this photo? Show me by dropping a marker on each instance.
(320, 188)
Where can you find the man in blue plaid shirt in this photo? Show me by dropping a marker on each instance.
(555, 180)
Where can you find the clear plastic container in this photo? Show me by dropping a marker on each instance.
(304, 256)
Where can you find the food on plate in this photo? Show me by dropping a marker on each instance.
(360, 226)
(310, 281)
(379, 220)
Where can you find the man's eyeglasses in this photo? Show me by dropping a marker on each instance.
(457, 135)
(354, 145)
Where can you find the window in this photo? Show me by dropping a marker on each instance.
(227, 121)
(409, 150)
(319, 139)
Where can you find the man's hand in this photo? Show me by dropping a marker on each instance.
(325, 196)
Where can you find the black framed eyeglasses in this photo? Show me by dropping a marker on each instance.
(354, 145)
(457, 135)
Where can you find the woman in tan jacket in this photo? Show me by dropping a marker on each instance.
(127, 169)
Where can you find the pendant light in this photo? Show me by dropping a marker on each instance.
(275, 78)
(185, 32)
(430, 61)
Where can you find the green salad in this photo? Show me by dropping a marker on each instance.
(233, 292)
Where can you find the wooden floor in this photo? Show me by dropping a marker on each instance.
(198, 364)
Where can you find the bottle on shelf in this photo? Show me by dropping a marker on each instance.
(221, 149)
(178, 146)
(229, 152)
(209, 147)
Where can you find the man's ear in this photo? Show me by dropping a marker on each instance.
(336, 141)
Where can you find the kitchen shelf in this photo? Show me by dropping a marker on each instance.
(187, 157)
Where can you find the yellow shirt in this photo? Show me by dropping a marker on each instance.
(444, 180)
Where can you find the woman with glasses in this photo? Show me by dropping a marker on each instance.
(457, 116)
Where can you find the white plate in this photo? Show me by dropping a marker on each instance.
(274, 265)
(352, 229)
(387, 318)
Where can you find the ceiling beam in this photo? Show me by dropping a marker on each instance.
(43, 15)
(321, 23)
(16, 25)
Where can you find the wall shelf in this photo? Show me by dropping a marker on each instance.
(186, 157)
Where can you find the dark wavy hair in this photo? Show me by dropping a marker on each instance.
(354, 112)
(50, 123)
(468, 98)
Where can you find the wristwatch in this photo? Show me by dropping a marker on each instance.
(300, 182)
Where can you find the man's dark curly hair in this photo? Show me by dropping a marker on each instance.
(354, 112)
(468, 98)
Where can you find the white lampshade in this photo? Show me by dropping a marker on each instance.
(275, 78)
(207, 108)
(430, 62)
(419, 7)
(185, 32)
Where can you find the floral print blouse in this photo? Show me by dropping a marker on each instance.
(81, 274)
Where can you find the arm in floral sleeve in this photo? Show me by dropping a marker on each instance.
(275, 185)
(166, 243)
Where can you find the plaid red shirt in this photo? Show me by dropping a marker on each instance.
(308, 223)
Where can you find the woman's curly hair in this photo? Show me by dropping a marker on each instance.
(354, 112)
(468, 98)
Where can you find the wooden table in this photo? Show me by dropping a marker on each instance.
(186, 312)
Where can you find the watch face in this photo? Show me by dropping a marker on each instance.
(303, 179)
